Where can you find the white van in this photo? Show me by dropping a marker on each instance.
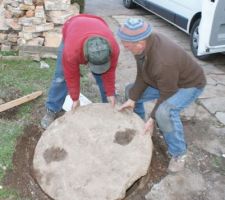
(203, 20)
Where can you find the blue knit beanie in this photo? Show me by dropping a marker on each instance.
(134, 30)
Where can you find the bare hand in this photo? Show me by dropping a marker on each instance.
(149, 126)
(129, 104)
(111, 100)
(76, 104)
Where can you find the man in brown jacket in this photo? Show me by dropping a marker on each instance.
(164, 72)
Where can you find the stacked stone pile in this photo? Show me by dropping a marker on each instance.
(33, 22)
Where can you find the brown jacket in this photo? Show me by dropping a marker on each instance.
(166, 66)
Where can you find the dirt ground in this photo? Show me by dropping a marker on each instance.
(200, 161)
(21, 176)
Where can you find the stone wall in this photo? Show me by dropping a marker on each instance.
(34, 23)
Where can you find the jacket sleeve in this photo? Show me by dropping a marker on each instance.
(72, 78)
(139, 85)
(109, 76)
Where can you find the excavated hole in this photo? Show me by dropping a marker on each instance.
(22, 175)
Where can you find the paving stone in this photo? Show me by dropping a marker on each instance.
(214, 105)
(221, 117)
(212, 91)
(211, 69)
(211, 80)
(220, 79)
(177, 187)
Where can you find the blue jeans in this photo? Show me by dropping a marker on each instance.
(168, 115)
(58, 89)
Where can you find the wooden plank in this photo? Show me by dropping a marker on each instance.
(20, 101)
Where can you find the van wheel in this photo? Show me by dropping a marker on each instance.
(194, 42)
(129, 3)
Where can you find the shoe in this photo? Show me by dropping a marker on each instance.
(48, 119)
(177, 164)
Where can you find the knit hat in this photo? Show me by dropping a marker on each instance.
(134, 30)
(97, 52)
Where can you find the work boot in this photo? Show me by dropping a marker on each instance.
(177, 164)
(48, 119)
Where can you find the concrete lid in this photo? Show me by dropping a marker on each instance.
(94, 153)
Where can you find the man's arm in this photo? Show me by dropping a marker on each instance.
(109, 76)
(72, 78)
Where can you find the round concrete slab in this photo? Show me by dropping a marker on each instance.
(94, 153)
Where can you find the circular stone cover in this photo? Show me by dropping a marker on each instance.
(92, 153)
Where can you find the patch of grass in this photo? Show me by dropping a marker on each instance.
(25, 77)
(219, 164)
(9, 132)
(9, 194)
(8, 53)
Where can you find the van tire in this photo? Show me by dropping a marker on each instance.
(129, 4)
(194, 41)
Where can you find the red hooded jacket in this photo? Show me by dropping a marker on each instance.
(75, 32)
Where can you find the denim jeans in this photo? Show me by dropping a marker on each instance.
(58, 89)
(168, 115)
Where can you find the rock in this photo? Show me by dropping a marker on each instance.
(57, 4)
(60, 17)
(5, 47)
(12, 37)
(39, 12)
(93, 153)
(38, 28)
(39, 41)
(3, 26)
(13, 23)
(52, 39)
(30, 13)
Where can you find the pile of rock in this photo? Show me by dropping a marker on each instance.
(33, 22)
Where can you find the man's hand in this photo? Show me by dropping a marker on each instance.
(76, 104)
(149, 126)
(111, 100)
(129, 104)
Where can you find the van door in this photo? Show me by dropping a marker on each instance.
(185, 10)
(212, 27)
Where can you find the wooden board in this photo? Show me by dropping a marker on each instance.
(20, 101)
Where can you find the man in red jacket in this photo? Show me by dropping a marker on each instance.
(87, 39)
